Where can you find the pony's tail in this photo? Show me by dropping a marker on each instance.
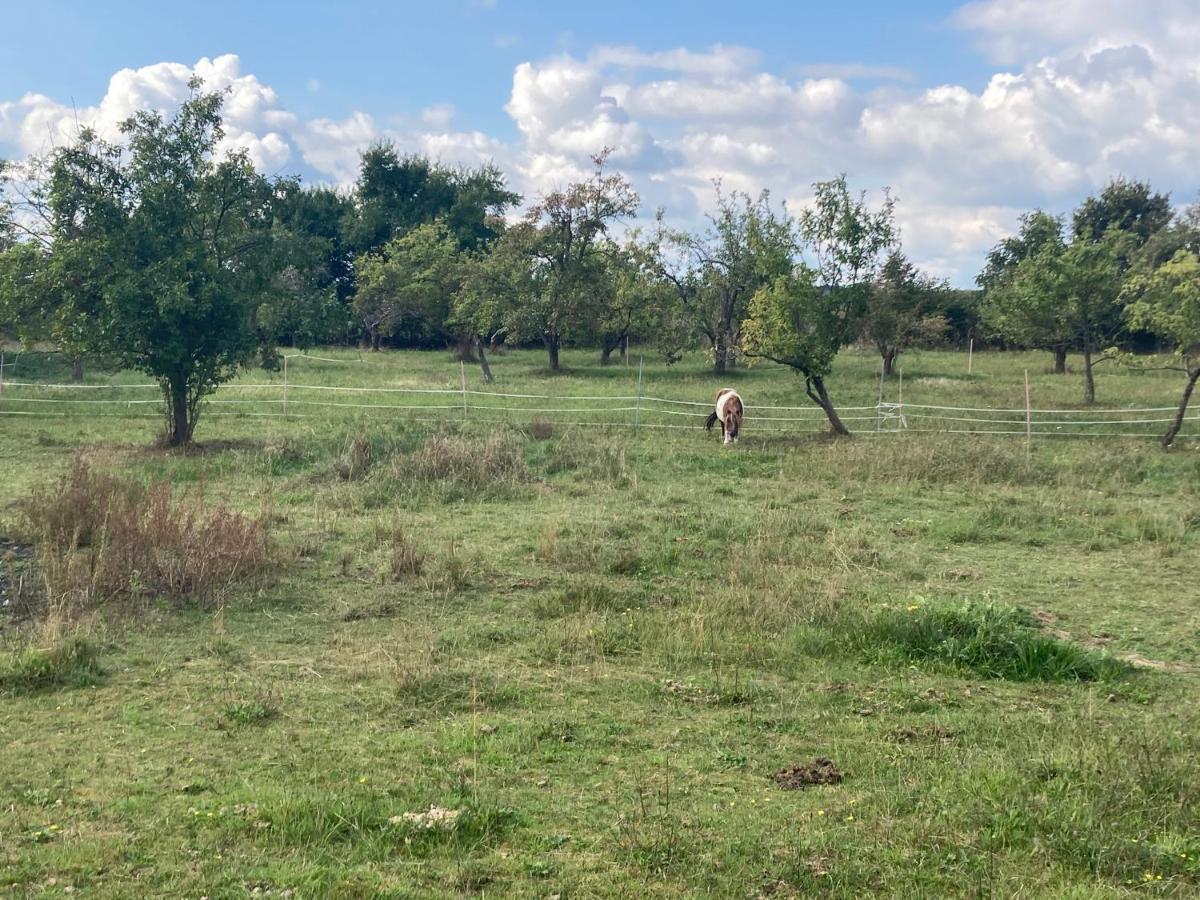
(710, 421)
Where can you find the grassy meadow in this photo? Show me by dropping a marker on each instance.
(494, 654)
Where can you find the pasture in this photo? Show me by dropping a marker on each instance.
(493, 654)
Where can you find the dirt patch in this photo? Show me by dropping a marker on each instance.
(821, 770)
(688, 693)
(909, 734)
(16, 563)
(1143, 662)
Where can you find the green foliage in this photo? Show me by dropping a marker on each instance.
(1167, 302)
(984, 640)
(161, 253)
(845, 236)
(902, 309)
(407, 288)
(1128, 206)
(306, 303)
(1062, 295)
(395, 194)
(641, 302)
(1038, 229)
(547, 277)
(72, 661)
(746, 246)
(802, 325)
(798, 324)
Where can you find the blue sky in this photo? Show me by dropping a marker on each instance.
(972, 111)
(388, 57)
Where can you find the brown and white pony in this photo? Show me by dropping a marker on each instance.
(729, 413)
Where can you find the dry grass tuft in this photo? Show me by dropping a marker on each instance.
(479, 462)
(100, 537)
(355, 459)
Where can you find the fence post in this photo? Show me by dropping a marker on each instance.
(1028, 417)
(1, 373)
(637, 409)
(903, 425)
(879, 405)
(462, 371)
(970, 353)
(285, 362)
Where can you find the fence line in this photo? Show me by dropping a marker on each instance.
(28, 399)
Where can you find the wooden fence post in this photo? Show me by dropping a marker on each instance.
(1028, 417)
(637, 409)
(462, 371)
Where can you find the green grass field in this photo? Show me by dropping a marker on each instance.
(596, 646)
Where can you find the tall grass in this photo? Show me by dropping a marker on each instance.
(981, 639)
(101, 537)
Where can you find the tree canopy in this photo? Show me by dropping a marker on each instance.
(162, 252)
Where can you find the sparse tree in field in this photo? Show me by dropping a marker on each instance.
(797, 323)
(847, 238)
(1065, 295)
(1006, 314)
(804, 318)
(551, 268)
(161, 252)
(746, 246)
(493, 283)
(641, 302)
(407, 287)
(901, 310)
(397, 194)
(1166, 301)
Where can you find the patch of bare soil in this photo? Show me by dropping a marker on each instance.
(16, 561)
(821, 770)
(1101, 640)
(908, 734)
(688, 693)
(1143, 662)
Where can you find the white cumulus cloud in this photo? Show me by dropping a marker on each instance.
(1084, 90)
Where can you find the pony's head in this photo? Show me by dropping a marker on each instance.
(733, 417)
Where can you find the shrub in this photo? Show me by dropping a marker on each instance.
(101, 537)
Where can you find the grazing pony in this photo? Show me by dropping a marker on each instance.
(729, 413)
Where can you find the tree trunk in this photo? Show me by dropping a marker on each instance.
(77, 369)
(483, 361)
(1169, 437)
(464, 349)
(552, 349)
(179, 424)
(1060, 360)
(374, 341)
(721, 352)
(1089, 382)
(889, 360)
(815, 388)
(609, 343)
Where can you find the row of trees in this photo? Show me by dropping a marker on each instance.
(187, 265)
